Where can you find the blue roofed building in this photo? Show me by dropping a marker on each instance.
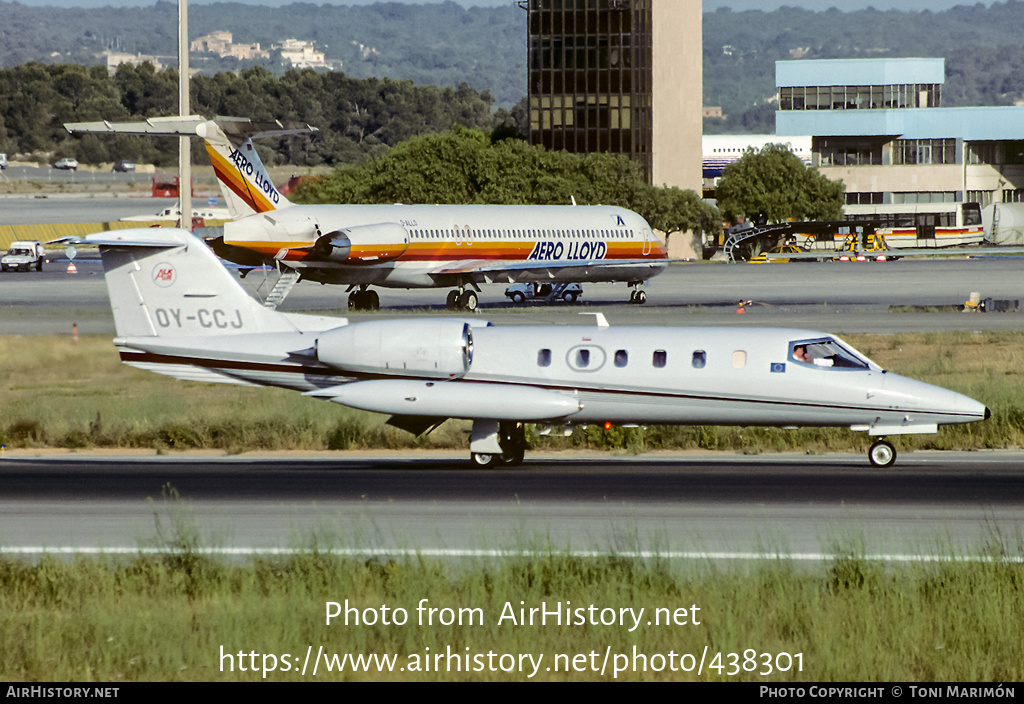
(922, 170)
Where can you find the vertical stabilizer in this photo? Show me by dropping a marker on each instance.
(244, 181)
(164, 282)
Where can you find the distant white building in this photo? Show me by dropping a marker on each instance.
(116, 58)
(221, 42)
(302, 54)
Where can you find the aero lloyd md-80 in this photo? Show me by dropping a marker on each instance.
(406, 246)
(179, 312)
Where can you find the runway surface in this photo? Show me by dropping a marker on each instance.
(929, 504)
(830, 297)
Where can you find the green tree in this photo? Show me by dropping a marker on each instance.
(773, 185)
(466, 166)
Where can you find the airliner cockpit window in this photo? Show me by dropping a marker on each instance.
(827, 352)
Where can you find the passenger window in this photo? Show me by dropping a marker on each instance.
(544, 358)
(660, 359)
(582, 358)
(700, 359)
(621, 358)
(739, 359)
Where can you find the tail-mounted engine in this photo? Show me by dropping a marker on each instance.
(364, 244)
(423, 348)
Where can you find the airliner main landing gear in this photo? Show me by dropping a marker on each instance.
(463, 299)
(363, 299)
(638, 295)
(495, 443)
(882, 454)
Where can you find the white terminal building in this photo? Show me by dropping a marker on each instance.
(924, 171)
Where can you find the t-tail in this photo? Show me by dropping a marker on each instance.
(167, 283)
(243, 179)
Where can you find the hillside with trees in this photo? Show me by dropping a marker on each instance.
(356, 117)
(484, 49)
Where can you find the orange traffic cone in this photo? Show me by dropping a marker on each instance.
(72, 269)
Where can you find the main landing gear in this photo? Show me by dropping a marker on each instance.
(882, 454)
(638, 295)
(463, 299)
(363, 299)
(496, 444)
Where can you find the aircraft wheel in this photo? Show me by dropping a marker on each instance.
(483, 460)
(371, 301)
(452, 303)
(570, 298)
(641, 298)
(517, 297)
(469, 301)
(353, 300)
(882, 454)
(513, 458)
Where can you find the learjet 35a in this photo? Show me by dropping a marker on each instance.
(179, 312)
(405, 246)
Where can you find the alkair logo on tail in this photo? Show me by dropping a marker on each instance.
(255, 174)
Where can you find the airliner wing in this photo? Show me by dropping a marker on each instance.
(488, 271)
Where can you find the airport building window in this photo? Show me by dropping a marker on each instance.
(544, 358)
(915, 197)
(660, 359)
(874, 198)
(833, 151)
(1013, 152)
(982, 198)
(700, 359)
(981, 153)
(1015, 195)
(924, 151)
(913, 95)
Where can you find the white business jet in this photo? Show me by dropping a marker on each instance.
(179, 312)
(405, 246)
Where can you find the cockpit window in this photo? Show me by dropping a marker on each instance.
(827, 352)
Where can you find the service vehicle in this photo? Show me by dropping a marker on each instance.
(24, 255)
(547, 293)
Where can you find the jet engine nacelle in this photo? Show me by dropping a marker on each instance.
(364, 244)
(431, 348)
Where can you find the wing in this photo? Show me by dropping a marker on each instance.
(490, 272)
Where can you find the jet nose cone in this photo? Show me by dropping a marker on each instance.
(988, 413)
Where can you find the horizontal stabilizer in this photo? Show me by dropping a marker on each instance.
(134, 237)
(238, 128)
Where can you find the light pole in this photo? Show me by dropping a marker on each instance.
(184, 108)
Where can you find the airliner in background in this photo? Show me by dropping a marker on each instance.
(405, 246)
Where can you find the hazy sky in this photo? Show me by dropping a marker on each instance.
(709, 5)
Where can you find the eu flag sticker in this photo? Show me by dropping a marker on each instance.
(779, 368)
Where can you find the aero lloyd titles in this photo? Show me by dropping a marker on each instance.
(262, 182)
(568, 251)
